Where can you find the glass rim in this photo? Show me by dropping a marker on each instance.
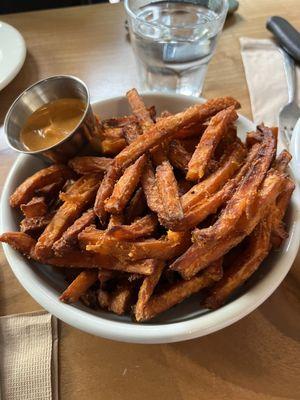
(133, 15)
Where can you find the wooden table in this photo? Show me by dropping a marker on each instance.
(256, 358)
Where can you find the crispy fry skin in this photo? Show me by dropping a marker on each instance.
(163, 249)
(19, 241)
(88, 165)
(168, 191)
(207, 248)
(112, 146)
(179, 291)
(36, 207)
(245, 266)
(146, 290)
(82, 191)
(81, 259)
(216, 129)
(34, 226)
(141, 227)
(105, 190)
(79, 286)
(150, 189)
(115, 220)
(125, 187)
(279, 232)
(139, 109)
(210, 205)
(120, 300)
(282, 161)
(179, 157)
(70, 236)
(25, 244)
(131, 132)
(168, 127)
(50, 191)
(137, 206)
(230, 164)
(45, 176)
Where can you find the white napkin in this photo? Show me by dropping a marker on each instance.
(28, 356)
(263, 64)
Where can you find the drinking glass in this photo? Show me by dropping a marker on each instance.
(173, 41)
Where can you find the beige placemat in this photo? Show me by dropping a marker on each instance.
(263, 64)
(28, 356)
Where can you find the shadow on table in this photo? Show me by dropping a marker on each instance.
(233, 19)
(27, 76)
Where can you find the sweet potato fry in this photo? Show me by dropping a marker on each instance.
(282, 161)
(168, 127)
(45, 176)
(216, 129)
(137, 206)
(125, 187)
(79, 286)
(104, 192)
(82, 259)
(150, 189)
(88, 165)
(208, 248)
(229, 166)
(115, 220)
(141, 227)
(70, 236)
(165, 248)
(139, 109)
(120, 300)
(179, 157)
(50, 191)
(158, 154)
(131, 132)
(77, 198)
(146, 290)
(34, 226)
(179, 291)
(168, 190)
(25, 244)
(112, 146)
(257, 250)
(19, 241)
(279, 232)
(36, 207)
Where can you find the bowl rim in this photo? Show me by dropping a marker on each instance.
(155, 333)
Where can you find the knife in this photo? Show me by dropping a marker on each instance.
(287, 35)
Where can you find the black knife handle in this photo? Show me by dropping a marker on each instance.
(287, 35)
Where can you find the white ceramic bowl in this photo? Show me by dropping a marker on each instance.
(185, 321)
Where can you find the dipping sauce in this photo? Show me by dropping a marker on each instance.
(51, 123)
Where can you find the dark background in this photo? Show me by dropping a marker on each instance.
(12, 6)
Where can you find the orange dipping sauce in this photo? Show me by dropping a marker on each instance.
(51, 123)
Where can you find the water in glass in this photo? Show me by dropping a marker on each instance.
(173, 42)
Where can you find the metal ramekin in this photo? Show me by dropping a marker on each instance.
(40, 93)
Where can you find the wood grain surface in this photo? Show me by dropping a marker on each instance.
(256, 358)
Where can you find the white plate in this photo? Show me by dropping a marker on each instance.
(12, 53)
(185, 321)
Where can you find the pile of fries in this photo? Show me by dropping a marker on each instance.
(181, 206)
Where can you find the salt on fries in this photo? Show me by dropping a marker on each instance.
(159, 214)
